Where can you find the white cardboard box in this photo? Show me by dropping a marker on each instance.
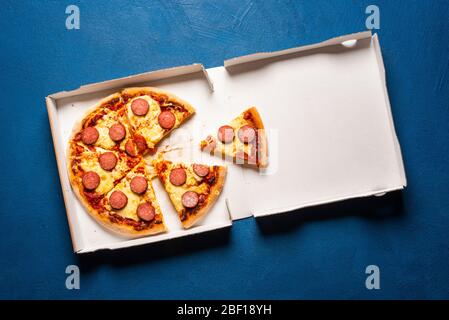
(327, 114)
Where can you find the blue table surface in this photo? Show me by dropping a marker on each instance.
(320, 252)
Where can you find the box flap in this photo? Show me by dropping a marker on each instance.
(264, 55)
(135, 80)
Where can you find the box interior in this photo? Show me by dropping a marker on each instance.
(328, 121)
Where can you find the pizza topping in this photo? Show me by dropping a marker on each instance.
(201, 199)
(91, 180)
(94, 200)
(117, 132)
(140, 107)
(246, 134)
(140, 142)
(190, 199)
(209, 144)
(201, 170)
(139, 184)
(241, 155)
(146, 211)
(118, 200)
(131, 148)
(107, 160)
(178, 176)
(166, 120)
(90, 135)
(226, 134)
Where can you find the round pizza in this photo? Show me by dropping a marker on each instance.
(105, 157)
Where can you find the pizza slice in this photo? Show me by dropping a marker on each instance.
(131, 207)
(192, 188)
(106, 126)
(243, 140)
(94, 171)
(154, 113)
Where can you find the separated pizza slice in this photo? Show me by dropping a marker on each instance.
(131, 207)
(94, 171)
(243, 140)
(154, 113)
(192, 188)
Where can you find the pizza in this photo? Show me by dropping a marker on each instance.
(192, 188)
(105, 157)
(243, 140)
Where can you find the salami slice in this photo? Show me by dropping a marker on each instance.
(117, 132)
(138, 184)
(209, 144)
(178, 176)
(201, 170)
(166, 120)
(246, 134)
(91, 180)
(140, 107)
(118, 200)
(90, 135)
(225, 134)
(140, 142)
(146, 211)
(243, 157)
(190, 199)
(131, 148)
(107, 160)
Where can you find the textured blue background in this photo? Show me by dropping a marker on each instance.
(319, 254)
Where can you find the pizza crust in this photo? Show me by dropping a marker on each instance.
(262, 142)
(171, 97)
(78, 126)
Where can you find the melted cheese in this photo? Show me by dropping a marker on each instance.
(230, 149)
(237, 123)
(193, 183)
(134, 200)
(106, 177)
(103, 125)
(148, 125)
(89, 162)
(130, 210)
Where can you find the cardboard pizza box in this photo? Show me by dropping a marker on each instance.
(328, 120)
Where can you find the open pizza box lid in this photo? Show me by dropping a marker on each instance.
(328, 120)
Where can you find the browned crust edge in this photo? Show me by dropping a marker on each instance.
(215, 191)
(171, 97)
(262, 138)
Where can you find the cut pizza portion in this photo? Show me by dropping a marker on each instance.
(105, 157)
(107, 127)
(243, 140)
(192, 188)
(95, 171)
(131, 207)
(115, 189)
(154, 113)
